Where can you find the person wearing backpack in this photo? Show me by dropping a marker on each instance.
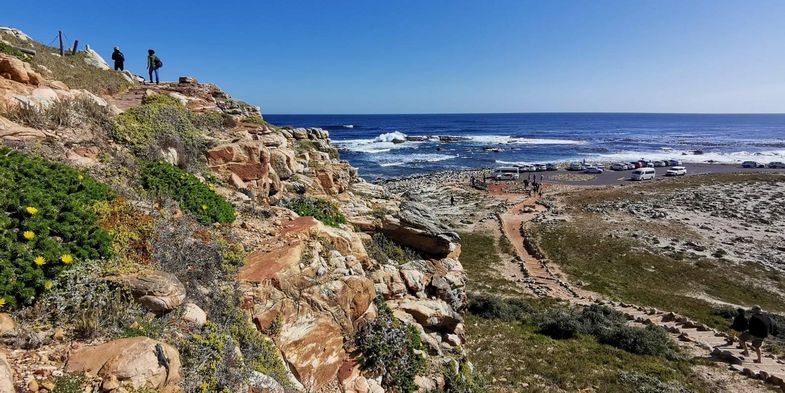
(118, 58)
(758, 329)
(153, 64)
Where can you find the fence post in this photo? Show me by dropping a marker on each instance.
(76, 44)
(62, 49)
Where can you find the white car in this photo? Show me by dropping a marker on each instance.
(660, 164)
(676, 171)
(575, 166)
(674, 163)
(641, 174)
(593, 169)
(777, 165)
(619, 166)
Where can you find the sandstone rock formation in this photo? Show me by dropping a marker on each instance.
(18, 71)
(135, 362)
(6, 375)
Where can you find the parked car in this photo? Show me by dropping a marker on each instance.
(635, 164)
(676, 171)
(752, 164)
(619, 166)
(593, 169)
(551, 167)
(648, 164)
(643, 174)
(777, 165)
(660, 164)
(506, 173)
(674, 163)
(575, 166)
(539, 167)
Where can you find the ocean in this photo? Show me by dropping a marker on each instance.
(399, 145)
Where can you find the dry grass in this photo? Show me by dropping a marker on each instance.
(72, 69)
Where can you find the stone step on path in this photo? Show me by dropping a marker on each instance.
(703, 341)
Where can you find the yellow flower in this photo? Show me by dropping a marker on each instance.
(80, 177)
(31, 210)
(204, 207)
(39, 260)
(29, 235)
(48, 284)
(66, 258)
(2, 302)
(211, 187)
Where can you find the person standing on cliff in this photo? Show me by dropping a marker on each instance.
(153, 64)
(119, 59)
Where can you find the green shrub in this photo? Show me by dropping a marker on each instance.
(195, 197)
(560, 324)
(162, 122)
(320, 209)
(387, 348)
(11, 51)
(384, 250)
(651, 340)
(494, 307)
(210, 360)
(69, 383)
(47, 223)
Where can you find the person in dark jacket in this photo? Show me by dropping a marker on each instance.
(118, 58)
(758, 329)
(739, 325)
(153, 64)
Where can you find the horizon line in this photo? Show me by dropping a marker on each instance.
(522, 113)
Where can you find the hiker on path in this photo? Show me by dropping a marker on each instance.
(153, 64)
(118, 58)
(759, 327)
(452, 200)
(739, 325)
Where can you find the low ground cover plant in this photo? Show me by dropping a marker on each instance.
(47, 223)
(384, 250)
(195, 197)
(320, 209)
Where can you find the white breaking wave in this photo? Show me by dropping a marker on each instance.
(416, 158)
(688, 156)
(523, 141)
(395, 136)
(348, 126)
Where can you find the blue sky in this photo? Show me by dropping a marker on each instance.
(438, 56)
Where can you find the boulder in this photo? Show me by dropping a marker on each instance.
(262, 265)
(135, 362)
(18, 71)
(282, 164)
(312, 345)
(187, 80)
(261, 383)
(158, 291)
(431, 314)
(194, 314)
(7, 324)
(417, 227)
(6, 375)
(93, 59)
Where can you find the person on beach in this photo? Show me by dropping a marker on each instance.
(739, 325)
(758, 329)
(153, 64)
(525, 184)
(452, 200)
(119, 59)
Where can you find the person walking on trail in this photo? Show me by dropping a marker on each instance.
(452, 200)
(740, 325)
(758, 330)
(153, 64)
(119, 59)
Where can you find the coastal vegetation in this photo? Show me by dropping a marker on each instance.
(320, 209)
(384, 250)
(519, 343)
(195, 197)
(48, 223)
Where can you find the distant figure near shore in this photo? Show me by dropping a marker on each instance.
(119, 59)
(153, 64)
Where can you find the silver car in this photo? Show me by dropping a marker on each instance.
(777, 165)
